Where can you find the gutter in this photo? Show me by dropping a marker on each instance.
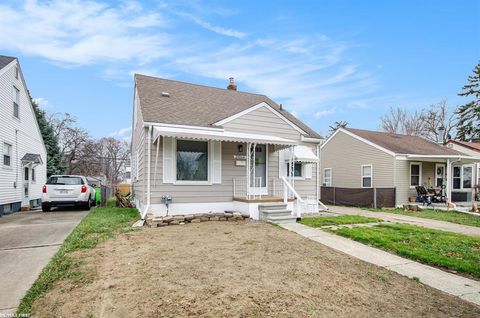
(149, 150)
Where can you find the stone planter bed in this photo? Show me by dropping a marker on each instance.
(152, 221)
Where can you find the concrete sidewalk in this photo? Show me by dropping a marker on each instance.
(398, 218)
(467, 289)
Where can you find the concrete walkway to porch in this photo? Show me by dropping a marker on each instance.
(398, 218)
(467, 289)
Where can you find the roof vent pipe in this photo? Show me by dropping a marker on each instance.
(232, 85)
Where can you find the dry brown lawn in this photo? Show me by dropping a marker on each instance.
(230, 269)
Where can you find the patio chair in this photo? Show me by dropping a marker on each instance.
(424, 195)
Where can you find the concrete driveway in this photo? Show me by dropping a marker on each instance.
(28, 240)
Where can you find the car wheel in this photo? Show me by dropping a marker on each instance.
(88, 205)
(46, 208)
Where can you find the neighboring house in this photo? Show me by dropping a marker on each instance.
(361, 159)
(23, 161)
(213, 149)
(127, 173)
(471, 148)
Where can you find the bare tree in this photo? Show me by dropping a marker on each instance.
(439, 123)
(399, 121)
(114, 154)
(434, 122)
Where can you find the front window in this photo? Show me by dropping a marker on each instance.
(16, 102)
(26, 174)
(327, 177)
(467, 177)
(297, 169)
(192, 160)
(33, 174)
(367, 176)
(7, 154)
(415, 171)
(457, 177)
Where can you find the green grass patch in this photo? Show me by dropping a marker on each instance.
(452, 251)
(440, 215)
(100, 224)
(111, 203)
(319, 221)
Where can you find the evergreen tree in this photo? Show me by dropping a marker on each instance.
(468, 125)
(54, 156)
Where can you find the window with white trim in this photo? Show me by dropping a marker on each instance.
(297, 169)
(327, 177)
(7, 154)
(415, 174)
(467, 177)
(192, 160)
(462, 177)
(367, 172)
(16, 102)
(33, 174)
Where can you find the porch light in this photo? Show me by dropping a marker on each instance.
(240, 148)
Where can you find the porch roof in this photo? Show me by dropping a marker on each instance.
(441, 158)
(219, 135)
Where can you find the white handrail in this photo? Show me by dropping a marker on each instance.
(289, 186)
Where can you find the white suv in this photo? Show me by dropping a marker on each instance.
(67, 190)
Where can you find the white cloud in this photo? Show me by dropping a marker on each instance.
(123, 134)
(214, 28)
(325, 112)
(42, 102)
(79, 32)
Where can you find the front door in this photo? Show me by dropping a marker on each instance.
(26, 187)
(440, 179)
(258, 173)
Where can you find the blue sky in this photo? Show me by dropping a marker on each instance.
(325, 61)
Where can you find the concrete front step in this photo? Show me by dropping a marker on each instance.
(281, 219)
(272, 206)
(284, 212)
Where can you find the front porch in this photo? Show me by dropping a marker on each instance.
(452, 179)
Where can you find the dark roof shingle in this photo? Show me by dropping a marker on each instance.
(5, 60)
(198, 105)
(404, 144)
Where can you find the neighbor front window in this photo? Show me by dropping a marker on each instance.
(7, 154)
(297, 169)
(367, 176)
(327, 177)
(457, 177)
(467, 177)
(192, 160)
(415, 171)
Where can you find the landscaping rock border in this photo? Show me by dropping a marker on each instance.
(152, 221)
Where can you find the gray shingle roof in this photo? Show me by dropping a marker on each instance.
(198, 105)
(404, 144)
(5, 60)
(32, 157)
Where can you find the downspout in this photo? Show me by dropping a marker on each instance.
(149, 150)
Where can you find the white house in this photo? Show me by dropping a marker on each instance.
(23, 160)
(213, 149)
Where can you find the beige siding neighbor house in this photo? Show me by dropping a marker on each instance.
(198, 149)
(374, 161)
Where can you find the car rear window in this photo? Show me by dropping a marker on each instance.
(65, 180)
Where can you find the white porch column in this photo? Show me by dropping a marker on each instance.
(448, 172)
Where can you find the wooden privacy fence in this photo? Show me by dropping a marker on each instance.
(359, 197)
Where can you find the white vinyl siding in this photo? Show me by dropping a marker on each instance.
(23, 136)
(367, 176)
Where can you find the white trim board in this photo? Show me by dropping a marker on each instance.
(255, 107)
(358, 138)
